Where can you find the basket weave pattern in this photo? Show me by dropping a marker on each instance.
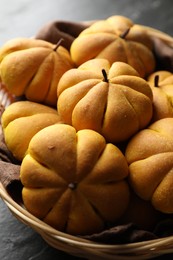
(78, 246)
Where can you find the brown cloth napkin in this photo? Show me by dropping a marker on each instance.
(121, 234)
(10, 168)
(56, 30)
(9, 171)
(163, 54)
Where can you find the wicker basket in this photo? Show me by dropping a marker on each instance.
(78, 246)
(84, 248)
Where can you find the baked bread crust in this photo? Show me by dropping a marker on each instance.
(74, 181)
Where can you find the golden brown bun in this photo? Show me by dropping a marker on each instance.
(21, 120)
(33, 67)
(115, 39)
(116, 107)
(161, 83)
(150, 157)
(74, 181)
(141, 213)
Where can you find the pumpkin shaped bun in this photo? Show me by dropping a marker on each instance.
(33, 67)
(22, 120)
(110, 99)
(150, 157)
(161, 83)
(74, 181)
(115, 39)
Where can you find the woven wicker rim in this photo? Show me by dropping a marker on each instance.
(81, 247)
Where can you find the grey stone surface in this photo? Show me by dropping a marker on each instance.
(24, 18)
(20, 242)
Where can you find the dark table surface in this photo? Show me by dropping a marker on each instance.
(24, 18)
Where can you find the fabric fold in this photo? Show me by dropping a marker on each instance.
(56, 30)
